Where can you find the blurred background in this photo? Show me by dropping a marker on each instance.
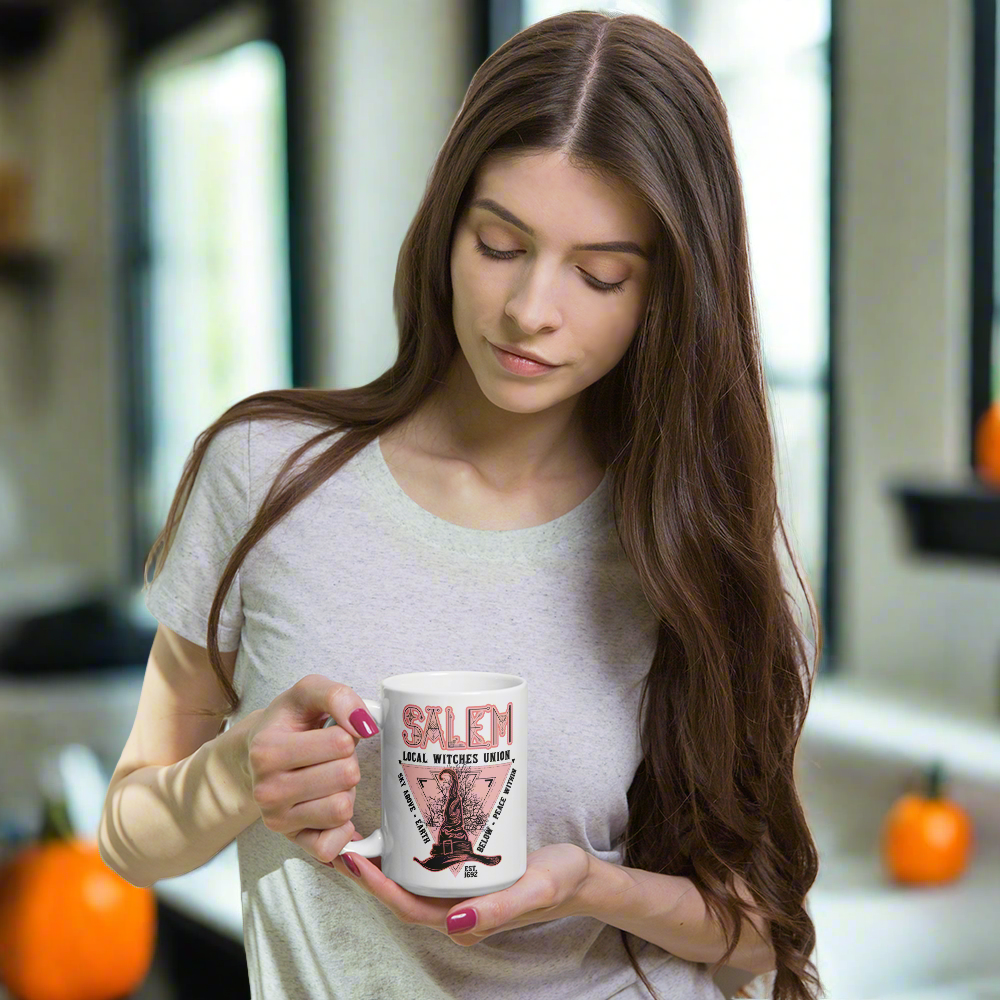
(202, 199)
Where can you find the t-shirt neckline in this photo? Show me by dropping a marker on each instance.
(588, 520)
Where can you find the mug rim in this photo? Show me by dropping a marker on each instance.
(411, 682)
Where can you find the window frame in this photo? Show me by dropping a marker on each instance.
(147, 27)
(983, 296)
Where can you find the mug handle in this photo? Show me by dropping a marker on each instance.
(372, 845)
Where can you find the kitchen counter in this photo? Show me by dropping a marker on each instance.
(98, 711)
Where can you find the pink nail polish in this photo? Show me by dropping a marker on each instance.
(363, 722)
(352, 864)
(464, 920)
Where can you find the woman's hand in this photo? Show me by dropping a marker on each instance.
(302, 776)
(549, 889)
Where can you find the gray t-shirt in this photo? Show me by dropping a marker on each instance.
(359, 582)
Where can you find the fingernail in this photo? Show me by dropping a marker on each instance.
(363, 722)
(350, 862)
(464, 920)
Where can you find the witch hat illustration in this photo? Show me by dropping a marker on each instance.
(453, 845)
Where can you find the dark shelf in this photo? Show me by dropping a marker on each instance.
(25, 266)
(952, 519)
(92, 633)
(25, 28)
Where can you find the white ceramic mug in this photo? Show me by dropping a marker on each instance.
(454, 782)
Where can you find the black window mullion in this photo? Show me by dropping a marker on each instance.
(984, 86)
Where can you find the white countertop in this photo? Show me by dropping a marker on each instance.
(35, 714)
(885, 725)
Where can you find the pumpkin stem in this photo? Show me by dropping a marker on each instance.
(56, 823)
(935, 780)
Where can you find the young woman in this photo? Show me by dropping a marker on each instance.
(567, 474)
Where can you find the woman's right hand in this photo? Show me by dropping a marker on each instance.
(303, 776)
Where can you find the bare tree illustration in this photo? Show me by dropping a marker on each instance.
(472, 804)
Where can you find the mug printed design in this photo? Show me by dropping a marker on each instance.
(457, 804)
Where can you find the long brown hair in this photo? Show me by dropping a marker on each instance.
(682, 424)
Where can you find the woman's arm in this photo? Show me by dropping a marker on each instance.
(181, 791)
(161, 821)
(669, 911)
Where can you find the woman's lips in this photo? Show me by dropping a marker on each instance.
(517, 365)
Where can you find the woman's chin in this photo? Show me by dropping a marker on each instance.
(520, 399)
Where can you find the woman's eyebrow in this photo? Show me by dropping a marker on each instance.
(616, 246)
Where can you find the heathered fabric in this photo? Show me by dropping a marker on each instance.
(359, 582)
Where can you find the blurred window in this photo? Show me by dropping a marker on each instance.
(218, 276)
(770, 61)
(214, 323)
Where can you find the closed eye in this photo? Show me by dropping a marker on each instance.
(595, 283)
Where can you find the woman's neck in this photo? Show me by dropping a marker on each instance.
(509, 450)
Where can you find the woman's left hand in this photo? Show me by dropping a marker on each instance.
(549, 889)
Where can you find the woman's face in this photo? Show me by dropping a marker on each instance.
(555, 293)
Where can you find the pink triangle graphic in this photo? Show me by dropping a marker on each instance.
(480, 787)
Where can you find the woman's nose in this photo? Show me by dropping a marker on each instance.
(533, 306)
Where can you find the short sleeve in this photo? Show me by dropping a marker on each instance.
(213, 521)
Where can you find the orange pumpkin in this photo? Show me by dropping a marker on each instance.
(987, 450)
(70, 928)
(926, 838)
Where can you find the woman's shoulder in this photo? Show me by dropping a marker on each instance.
(271, 437)
(258, 444)
(272, 442)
